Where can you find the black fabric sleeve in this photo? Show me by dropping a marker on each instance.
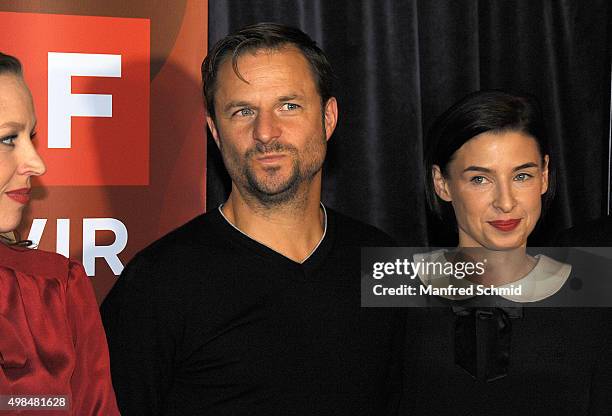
(600, 402)
(142, 336)
(396, 374)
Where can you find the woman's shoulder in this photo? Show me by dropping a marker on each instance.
(37, 262)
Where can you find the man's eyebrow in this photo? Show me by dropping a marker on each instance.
(234, 104)
(289, 97)
(281, 99)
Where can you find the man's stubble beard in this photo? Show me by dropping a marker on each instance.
(270, 191)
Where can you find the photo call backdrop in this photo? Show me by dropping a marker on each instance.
(117, 92)
(121, 123)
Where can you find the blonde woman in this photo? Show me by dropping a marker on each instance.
(52, 344)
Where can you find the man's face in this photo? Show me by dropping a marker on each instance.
(270, 130)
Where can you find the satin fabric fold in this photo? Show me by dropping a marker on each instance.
(482, 340)
(51, 337)
(12, 351)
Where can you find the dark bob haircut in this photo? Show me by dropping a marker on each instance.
(483, 111)
(266, 36)
(10, 65)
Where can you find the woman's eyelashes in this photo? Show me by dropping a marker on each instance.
(483, 180)
(9, 140)
(522, 177)
(479, 180)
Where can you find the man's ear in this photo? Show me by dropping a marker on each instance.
(440, 184)
(213, 128)
(330, 113)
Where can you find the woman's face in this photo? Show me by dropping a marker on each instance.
(495, 182)
(19, 161)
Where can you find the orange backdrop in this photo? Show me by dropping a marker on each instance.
(120, 123)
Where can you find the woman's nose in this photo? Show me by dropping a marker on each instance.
(505, 199)
(31, 163)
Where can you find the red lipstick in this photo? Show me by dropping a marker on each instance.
(20, 195)
(505, 225)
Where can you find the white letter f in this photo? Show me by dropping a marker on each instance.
(63, 104)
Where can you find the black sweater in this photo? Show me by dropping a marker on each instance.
(207, 321)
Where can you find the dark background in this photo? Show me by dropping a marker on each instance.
(402, 63)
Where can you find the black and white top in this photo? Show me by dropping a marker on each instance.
(529, 357)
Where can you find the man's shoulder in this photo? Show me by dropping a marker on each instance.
(176, 258)
(351, 232)
(201, 232)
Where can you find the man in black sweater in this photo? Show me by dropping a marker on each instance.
(254, 307)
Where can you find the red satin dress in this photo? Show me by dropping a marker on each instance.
(51, 337)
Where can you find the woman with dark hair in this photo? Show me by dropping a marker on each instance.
(485, 113)
(52, 342)
(490, 173)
